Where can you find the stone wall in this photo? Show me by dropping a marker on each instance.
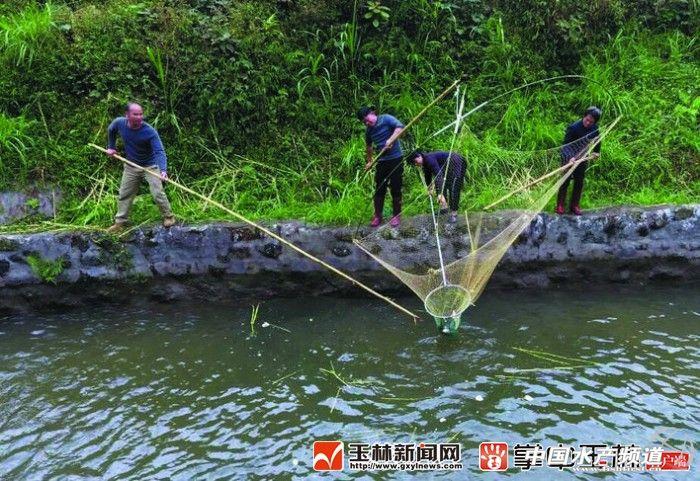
(226, 260)
(16, 206)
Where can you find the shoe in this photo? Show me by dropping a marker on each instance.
(576, 210)
(376, 221)
(560, 209)
(116, 228)
(169, 221)
(395, 221)
(453, 218)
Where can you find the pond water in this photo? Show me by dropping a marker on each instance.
(185, 392)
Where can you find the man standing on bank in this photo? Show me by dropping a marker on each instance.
(578, 136)
(383, 131)
(142, 146)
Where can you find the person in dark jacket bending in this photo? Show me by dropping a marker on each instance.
(576, 140)
(448, 175)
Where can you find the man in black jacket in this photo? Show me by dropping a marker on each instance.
(578, 136)
(448, 170)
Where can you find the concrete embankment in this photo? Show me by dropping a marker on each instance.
(207, 262)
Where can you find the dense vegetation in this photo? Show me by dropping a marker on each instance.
(255, 100)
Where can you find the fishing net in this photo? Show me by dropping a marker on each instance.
(447, 262)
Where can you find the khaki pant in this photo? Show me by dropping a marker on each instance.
(131, 180)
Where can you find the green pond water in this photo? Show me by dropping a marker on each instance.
(184, 392)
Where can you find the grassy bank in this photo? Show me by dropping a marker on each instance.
(255, 101)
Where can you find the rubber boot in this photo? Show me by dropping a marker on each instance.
(561, 198)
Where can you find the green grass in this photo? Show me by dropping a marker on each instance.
(45, 269)
(255, 107)
(25, 33)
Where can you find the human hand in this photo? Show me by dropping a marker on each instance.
(368, 165)
(443, 201)
(163, 175)
(111, 152)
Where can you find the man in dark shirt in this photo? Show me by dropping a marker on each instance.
(576, 140)
(143, 147)
(449, 177)
(382, 131)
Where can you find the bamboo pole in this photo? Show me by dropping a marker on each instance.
(571, 165)
(414, 120)
(266, 231)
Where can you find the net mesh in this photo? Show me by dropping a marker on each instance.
(448, 262)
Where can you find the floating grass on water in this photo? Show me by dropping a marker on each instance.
(515, 370)
(286, 376)
(409, 399)
(512, 377)
(335, 398)
(277, 381)
(253, 319)
(560, 363)
(554, 358)
(349, 382)
(373, 385)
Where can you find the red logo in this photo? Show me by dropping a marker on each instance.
(493, 456)
(328, 455)
(672, 461)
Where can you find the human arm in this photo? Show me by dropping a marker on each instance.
(112, 131)
(394, 135)
(596, 149)
(369, 153)
(568, 152)
(428, 177)
(159, 154)
(398, 127)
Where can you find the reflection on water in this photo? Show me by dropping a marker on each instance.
(184, 392)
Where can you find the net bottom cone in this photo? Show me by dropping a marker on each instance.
(448, 325)
(447, 301)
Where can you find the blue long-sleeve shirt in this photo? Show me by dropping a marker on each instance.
(577, 138)
(142, 146)
(380, 132)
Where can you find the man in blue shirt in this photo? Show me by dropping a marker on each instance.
(382, 133)
(576, 140)
(143, 147)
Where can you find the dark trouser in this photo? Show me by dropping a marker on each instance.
(578, 175)
(453, 189)
(389, 174)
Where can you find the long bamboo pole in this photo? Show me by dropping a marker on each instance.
(571, 165)
(266, 231)
(414, 120)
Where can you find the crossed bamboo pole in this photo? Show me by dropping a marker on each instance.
(265, 230)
